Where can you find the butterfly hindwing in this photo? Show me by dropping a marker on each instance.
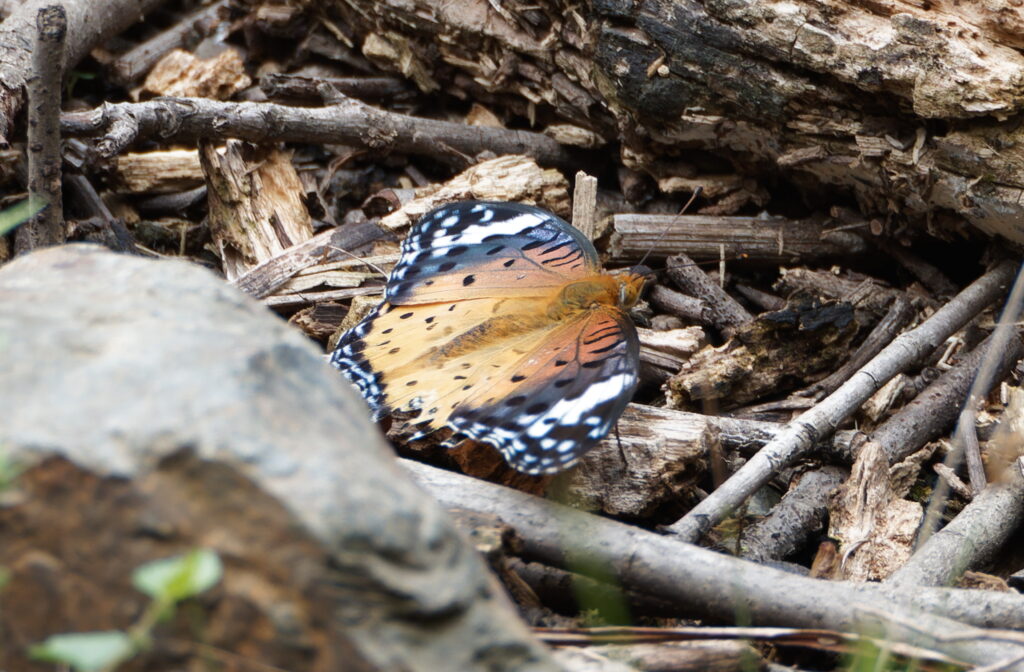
(351, 359)
(552, 406)
(488, 249)
(419, 357)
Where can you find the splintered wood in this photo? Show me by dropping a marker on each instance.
(180, 73)
(256, 209)
(507, 178)
(162, 172)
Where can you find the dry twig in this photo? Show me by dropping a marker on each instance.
(349, 122)
(801, 434)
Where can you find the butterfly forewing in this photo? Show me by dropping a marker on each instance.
(486, 249)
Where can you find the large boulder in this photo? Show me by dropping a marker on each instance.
(155, 409)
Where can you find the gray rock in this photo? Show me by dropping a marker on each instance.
(119, 364)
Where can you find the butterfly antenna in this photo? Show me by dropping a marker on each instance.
(618, 442)
(696, 192)
(360, 259)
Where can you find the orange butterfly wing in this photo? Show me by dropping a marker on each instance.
(483, 331)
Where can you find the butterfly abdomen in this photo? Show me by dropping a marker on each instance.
(493, 330)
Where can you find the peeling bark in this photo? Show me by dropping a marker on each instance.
(912, 108)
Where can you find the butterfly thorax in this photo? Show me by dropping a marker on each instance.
(594, 292)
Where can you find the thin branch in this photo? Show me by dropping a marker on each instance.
(349, 122)
(44, 158)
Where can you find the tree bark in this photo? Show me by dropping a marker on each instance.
(910, 108)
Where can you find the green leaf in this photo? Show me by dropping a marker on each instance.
(85, 651)
(174, 579)
(16, 215)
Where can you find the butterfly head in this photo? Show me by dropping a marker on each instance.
(631, 284)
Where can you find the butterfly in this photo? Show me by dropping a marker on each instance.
(498, 322)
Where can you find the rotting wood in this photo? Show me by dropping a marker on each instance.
(654, 460)
(662, 638)
(899, 316)
(670, 349)
(870, 297)
(45, 227)
(288, 302)
(725, 312)
(159, 172)
(321, 320)
(279, 86)
(513, 178)
(824, 95)
(973, 537)
(584, 205)
(773, 353)
(680, 305)
(871, 519)
(136, 63)
(180, 73)
(801, 513)
(325, 247)
(256, 211)
(560, 589)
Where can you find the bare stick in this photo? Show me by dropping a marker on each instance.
(726, 313)
(349, 122)
(680, 305)
(584, 205)
(973, 537)
(1005, 330)
(44, 92)
(802, 434)
(722, 587)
